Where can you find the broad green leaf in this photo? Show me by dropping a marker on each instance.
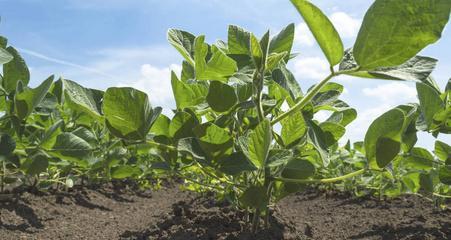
(14, 71)
(264, 45)
(382, 140)
(188, 72)
(161, 126)
(415, 69)
(125, 171)
(81, 99)
(256, 51)
(332, 132)
(238, 40)
(284, 78)
(5, 56)
(128, 113)
(443, 151)
(215, 141)
(322, 29)
(343, 117)
(298, 169)
(419, 159)
(278, 157)
(254, 197)
(187, 94)
(183, 42)
(36, 164)
(70, 147)
(444, 174)
(412, 181)
(26, 101)
(51, 135)
(430, 102)
(259, 142)
(293, 128)
(283, 41)
(219, 66)
(191, 146)
(7, 144)
(221, 97)
(393, 31)
(235, 164)
(182, 125)
(274, 60)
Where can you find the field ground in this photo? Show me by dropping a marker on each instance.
(169, 213)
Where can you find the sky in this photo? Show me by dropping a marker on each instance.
(105, 43)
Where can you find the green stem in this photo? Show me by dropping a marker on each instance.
(160, 145)
(440, 195)
(306, 99)
(324, 180)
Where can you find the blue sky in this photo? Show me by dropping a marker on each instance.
(103, 43)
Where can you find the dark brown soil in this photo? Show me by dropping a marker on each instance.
(169, 213)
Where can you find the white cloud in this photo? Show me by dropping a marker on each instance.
(386, 96)
(392, 92)
(157, 84)
(310, 67)
(303, 36)
(346, 26)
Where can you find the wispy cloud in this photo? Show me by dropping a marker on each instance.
(63, 62)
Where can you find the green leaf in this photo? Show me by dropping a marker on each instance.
(37, 164)
(221, 97)
(183, 42)
(187, 94)
(238, 40)
(69, 146)
(322, 29)
(7, 145)
(293, 128)
(415, 69)
(182, 125)
(5, 56)
(430, 102)
(443, 151)
(393, 31)
(219, 67)
(128, 113)
(84, 100)
(256, 51)
(161, 126)
(14, 71)
(259, 142)
(298, 169)
(285, 79)
(419, 159)
(283, 41)
(382, 140)
(26, 101)
(444, 174)
(191, 146)
(125, 171)
(215, 141)
(332, 132)
(235, 164)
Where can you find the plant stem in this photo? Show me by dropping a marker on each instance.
(306, 99)
(324, 180)
(256, 220)
(160, 145)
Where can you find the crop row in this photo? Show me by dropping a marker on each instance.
(229, 133)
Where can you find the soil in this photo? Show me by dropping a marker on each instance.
(120, 213)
